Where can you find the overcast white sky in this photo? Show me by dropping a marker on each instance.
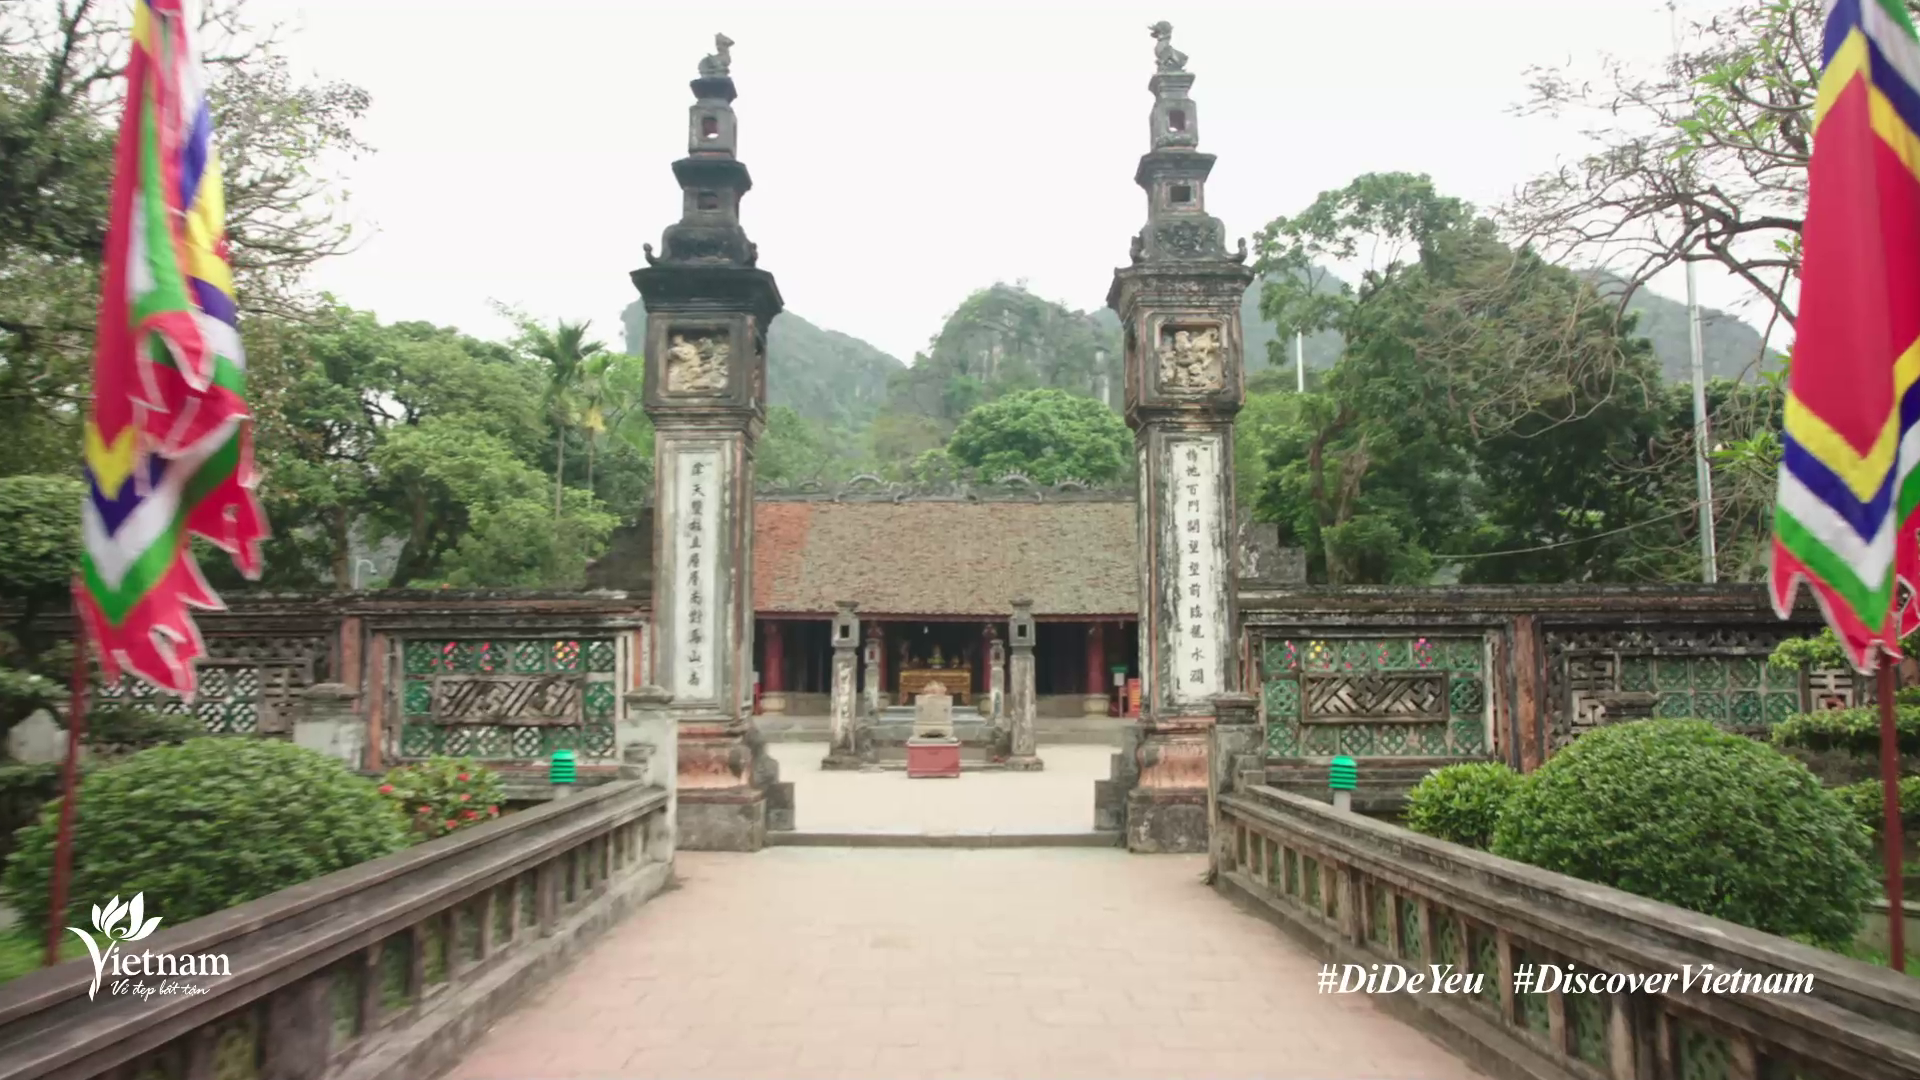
(905, 153)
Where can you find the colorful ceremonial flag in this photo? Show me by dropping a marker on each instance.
(168, 440)
(1845, 522)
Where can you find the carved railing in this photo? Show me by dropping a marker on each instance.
(385, 969)
(1365, 892)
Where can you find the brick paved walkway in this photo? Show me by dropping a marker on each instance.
(800, 962)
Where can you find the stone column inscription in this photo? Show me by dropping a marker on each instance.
(1194, 585)
(694, 544)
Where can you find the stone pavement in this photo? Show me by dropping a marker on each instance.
(1059, 798)
(823, 962)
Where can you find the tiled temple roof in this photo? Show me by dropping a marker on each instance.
(957, 558)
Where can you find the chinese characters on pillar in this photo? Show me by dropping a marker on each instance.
(1194, 569)
(696, 511)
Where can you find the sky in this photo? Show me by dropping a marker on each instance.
(903, 154)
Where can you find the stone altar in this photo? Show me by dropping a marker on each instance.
(933, 750)
(916, 681)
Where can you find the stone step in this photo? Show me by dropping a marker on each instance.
(988, 838)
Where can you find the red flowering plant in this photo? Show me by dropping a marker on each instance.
(443, 794)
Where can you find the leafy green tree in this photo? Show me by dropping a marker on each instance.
(1466, 367)
(1049, 435)
(280, 141)
(793, 450)
(331, 393)
(567, 356)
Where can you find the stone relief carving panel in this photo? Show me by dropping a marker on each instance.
(1189, 239)
(1192, 359)
(697, 363)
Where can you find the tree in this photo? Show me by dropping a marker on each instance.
(1459, 353)
(1049, 435)
(567, 355)
(794, 450)
(331, 393)
(1705, 161)
(280, 140)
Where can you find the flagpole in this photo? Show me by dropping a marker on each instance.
(1702, 468)
(1890, 815)
(63, 839)
(1300, 361)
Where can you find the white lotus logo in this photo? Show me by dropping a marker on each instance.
(115, 923)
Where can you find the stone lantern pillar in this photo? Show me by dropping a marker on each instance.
(1179, 307)
(1022, 703)
(708, 307)
(843, 733)
(872, 656)
(996, 680)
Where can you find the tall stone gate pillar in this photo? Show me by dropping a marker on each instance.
(1179, 308)
(708, 307)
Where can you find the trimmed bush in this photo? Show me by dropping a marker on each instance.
(202, 826)
(1461, 803)
(1866, 801)
(443, 794)
(1680, 812)
(1852, 731)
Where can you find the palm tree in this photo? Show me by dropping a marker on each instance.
(606, 394)
(567, 353)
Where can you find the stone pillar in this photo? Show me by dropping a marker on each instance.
(996, 679)
(1021, 701)
(648, 745)
(873, 671)
(327, 721)
(773, 676)
(1179, 307)
(708, 307)
(1095, 702)
(843, 734)
(1236, 743)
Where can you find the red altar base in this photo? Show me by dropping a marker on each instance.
(934, 757)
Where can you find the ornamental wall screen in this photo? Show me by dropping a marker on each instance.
(1381, 696)
(514, 699)
(1706, 672)
(247, 685)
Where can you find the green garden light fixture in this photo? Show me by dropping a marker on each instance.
(561, 773)
(1342, 776)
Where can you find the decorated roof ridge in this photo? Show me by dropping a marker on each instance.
(1010, 487)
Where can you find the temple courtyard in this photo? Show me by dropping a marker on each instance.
(1031, 962)
(1058, 799)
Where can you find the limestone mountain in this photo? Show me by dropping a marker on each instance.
(832, 379)
(1002, 339)
(1729, 346)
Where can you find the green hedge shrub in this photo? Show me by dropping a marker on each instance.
(1864, 799)
(1680, 812)
(202, 826)
(1852, 731)
(1461, 803)
(443, 794)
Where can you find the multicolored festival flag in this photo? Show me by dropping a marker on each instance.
(1849, 500)
(169, 449)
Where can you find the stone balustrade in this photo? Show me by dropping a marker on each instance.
(1364, 892)
(383, 971)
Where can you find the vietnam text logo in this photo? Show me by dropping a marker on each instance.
(118, 924)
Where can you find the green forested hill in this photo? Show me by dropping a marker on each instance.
(874, 410)
(830, 378)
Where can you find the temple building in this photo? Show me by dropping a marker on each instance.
(935, 576)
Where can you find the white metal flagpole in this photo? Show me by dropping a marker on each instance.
(1300, 361)
(1702, 466)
